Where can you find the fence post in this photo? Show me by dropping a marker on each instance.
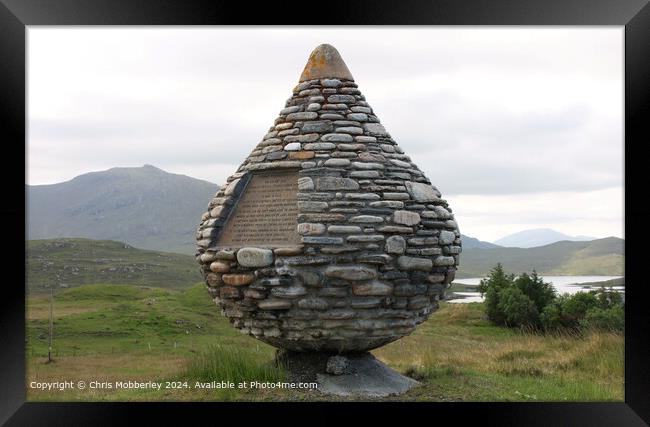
(49, 349)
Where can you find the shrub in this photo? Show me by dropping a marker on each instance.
(540, 293)
(575, 307)
(551, 315)
(515, 302)
(609, 319)
(528, 301)
(601, 309)
(517, 308)
(608, 298)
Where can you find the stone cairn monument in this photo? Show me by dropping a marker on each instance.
(328, 240)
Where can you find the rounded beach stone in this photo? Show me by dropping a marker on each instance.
(338, 365)
(219, 267)
(353, 272)
(238, 279)
(254, 257)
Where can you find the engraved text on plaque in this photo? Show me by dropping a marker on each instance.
(266, 213)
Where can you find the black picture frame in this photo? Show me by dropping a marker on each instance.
(634, 15)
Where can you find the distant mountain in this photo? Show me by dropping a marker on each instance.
(473, 243)
(61, 263)
(537, 237)
(597, 257)
(143, 206)
(149, 208)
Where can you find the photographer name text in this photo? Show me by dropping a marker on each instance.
(165, 385)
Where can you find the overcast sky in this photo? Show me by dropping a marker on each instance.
(518, 127)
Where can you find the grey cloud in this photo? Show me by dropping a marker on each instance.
(463, 147)
(499, 152)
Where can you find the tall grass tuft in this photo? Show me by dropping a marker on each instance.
(228, 363)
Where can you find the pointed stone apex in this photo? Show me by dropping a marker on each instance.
(325, 62)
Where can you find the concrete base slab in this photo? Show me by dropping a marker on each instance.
(368, 377)
(364, 375)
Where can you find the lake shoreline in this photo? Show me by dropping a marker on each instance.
(463, 290)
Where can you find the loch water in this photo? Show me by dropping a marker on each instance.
(562, 285)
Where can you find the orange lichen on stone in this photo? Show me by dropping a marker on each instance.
(238, 279)
(325, 62)
(301, 155)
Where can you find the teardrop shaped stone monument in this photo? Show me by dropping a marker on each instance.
(327, 238)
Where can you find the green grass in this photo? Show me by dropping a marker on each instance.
(237, 365)
(461, 356)
(122, 332)
(66, 263)
(234, 364)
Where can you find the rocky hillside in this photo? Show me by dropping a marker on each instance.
(597, 257)
(145, 207)
(64, 263)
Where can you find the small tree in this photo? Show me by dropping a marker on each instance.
(541, 293)
(490, 288)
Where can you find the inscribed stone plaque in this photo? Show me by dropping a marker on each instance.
(266, 213)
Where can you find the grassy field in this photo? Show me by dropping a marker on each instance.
(66, 263)
(602, 257)
(110, 333)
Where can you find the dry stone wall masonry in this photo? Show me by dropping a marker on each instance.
(370, 244)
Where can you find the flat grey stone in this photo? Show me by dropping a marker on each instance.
(365, 174)
(352, 272)
(230, 188)
(395, 245)
(320, 146)
(310, 137)
(322, 240)
(441, 212)
(368, 378)
(422, 192)
(330, 82)
(409, 263)
(289, 292)
(375, 129)
(360, 117)
(406, 217)
(317, 127)
(337, 137)
(336, 162)
(331, 116)
(351, 130)
(446, 237)
(443, 261)
(305, 115)
(327, 183)
(334, 99)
